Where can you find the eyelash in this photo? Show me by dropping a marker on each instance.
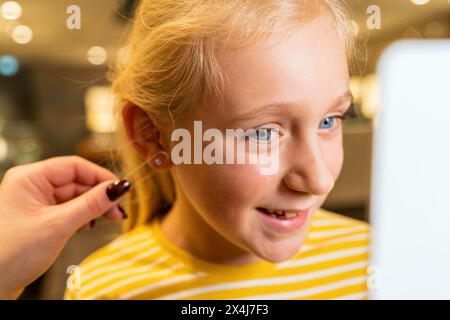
(260, 129)
(343, 117)
(348, 114)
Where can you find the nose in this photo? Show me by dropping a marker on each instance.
(308, 171)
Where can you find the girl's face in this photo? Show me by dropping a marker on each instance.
(297, 89)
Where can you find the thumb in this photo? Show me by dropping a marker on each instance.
(94, 202)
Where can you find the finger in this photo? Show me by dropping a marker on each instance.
(88, 226)
(73, 190)
(60, 171)
(116, 214)
(69, 191)
(93, 203)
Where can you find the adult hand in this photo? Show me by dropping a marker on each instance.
(41, 206)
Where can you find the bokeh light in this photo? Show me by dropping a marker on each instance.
(11, 10)
(420, 2)
(9, 65)
(22, 34)
(97, 55)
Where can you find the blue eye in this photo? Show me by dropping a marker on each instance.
(262, 134)
(328, 123)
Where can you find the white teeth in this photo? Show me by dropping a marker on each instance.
(281, 214)
(274, 211)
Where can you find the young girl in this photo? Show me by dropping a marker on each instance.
(226, 231)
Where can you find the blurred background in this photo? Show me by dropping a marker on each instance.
(55, 98)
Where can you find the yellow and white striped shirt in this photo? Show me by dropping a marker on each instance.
(143, 264)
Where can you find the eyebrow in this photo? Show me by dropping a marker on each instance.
(273, 108)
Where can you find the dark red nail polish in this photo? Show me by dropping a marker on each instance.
(124, 214)
(118, 189)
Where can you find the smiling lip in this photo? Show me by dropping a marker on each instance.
(285, 210)
(284, 224)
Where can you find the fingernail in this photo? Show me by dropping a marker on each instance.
(118, 189)
(124, 214)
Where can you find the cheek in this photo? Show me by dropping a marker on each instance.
(227, 187)
(334, 157)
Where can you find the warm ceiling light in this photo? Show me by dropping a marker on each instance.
(11, 10)
(99, 102)
(3, 149)
(22, 34)
(97, 55)
(420, 2)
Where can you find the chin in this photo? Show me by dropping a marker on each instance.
(278, 257)
(280, 252)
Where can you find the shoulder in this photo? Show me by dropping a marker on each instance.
(88, 277)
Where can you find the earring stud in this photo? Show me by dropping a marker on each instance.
(159, 159)
(158, 162)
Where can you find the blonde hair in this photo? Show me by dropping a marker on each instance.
(171, 66)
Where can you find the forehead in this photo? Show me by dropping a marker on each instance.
(309, 67)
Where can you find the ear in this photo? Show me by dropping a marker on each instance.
(143, 133)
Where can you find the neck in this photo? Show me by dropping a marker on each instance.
(185, 227)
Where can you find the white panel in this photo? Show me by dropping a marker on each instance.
(411, 176)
